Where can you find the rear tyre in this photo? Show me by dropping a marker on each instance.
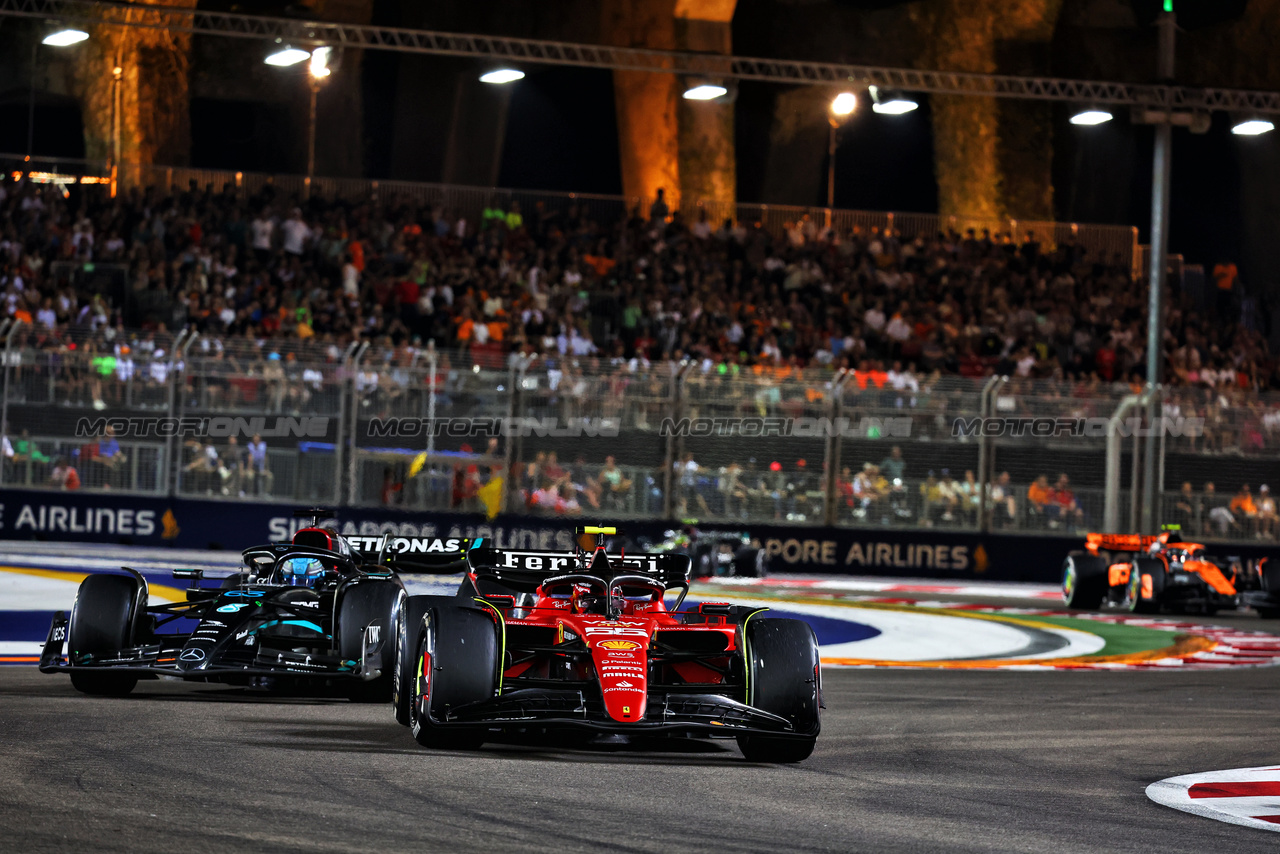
(102, 624)
(1084, 581)
(783, 678)
(1269, 572)
(457, 662)
(749, 563)
(372, 603)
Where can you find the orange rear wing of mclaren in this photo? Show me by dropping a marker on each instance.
(1093, 543)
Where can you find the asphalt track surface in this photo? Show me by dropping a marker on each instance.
(907, 761)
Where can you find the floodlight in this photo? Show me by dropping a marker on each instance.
(1091, 117)
(1253, 127)
(62, 38)
(502, 75)
(287, 56)
(705, 92)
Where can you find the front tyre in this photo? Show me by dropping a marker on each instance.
(457, 663)
(102, 624)
(783, 672)
(412, 610)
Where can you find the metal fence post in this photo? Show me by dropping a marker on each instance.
(1157, 514)
(831, 488)
(985, 454)
(9, 329)
(170, 483)
(432, 362)
(674, 444)
(341, 436)
(174, 482)
(515, 450)
(1111, 500)
(352, 462)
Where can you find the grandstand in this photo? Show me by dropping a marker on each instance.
(219, 294)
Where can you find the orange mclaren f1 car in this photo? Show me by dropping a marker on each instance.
(1147, 574)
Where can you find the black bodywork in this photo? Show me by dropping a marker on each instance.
(252, 626)
(717, 554)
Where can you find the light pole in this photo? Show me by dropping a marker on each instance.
(842, 106)
(116, 73)
(61, 38)
(1156, 266)
(317, 70)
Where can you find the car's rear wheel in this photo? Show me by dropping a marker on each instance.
(783, 673)
(102, 624)
(457, 662)
(1269, 572)
(750, 563)
(1084, 581)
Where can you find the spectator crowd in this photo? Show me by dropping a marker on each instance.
(294, 277)
(279, 288)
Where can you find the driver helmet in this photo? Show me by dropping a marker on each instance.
(303, 571)
(584, 599)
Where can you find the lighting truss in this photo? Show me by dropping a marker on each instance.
(536, 51)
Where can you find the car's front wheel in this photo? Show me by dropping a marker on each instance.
(457, 663)
(102, 624)
(783, 673)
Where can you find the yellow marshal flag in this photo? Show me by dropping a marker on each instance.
(491, 496)
(418, 462)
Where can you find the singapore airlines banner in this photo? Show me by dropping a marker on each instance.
(234, 525)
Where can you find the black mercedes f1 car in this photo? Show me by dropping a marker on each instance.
(314, 609)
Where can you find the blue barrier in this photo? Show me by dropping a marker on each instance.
(232, 525)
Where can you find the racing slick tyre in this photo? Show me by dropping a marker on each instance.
(1084, 581)
(784, 678)
(102, 622)
(1270, 581)
(372, 603)
(412, 610)
(749, 563)
(703, 560)
(457, 662)
(1145, 567)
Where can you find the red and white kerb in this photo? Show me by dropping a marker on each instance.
(1244, 796)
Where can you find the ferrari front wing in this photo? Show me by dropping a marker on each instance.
(703, 714)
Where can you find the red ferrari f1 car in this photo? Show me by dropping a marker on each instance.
(585, 640)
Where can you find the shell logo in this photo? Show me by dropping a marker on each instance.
(618, 644)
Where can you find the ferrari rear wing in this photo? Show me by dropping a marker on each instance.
(1093, 543)
(526, 570)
